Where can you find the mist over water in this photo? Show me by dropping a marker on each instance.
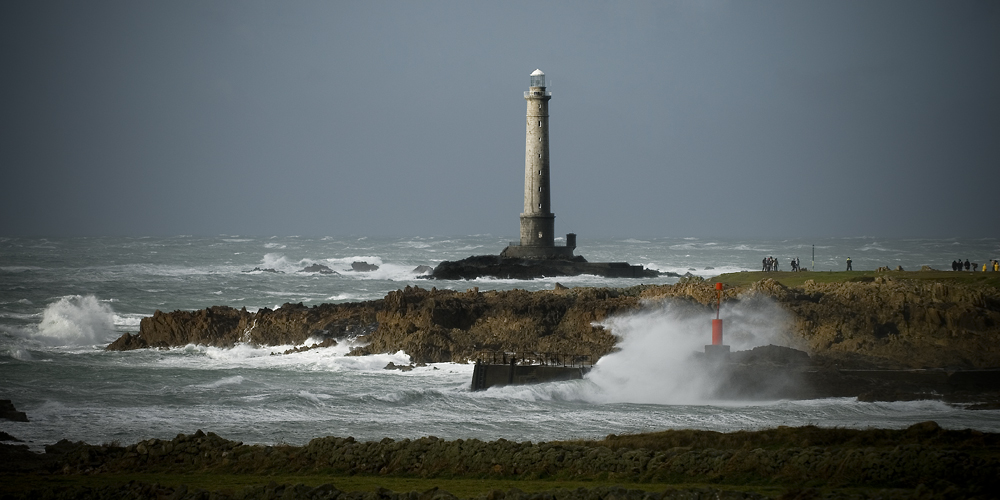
(63, 300)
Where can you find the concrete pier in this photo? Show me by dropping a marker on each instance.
(485, 375)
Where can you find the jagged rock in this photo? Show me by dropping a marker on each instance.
(325, 343)
(128, 342)
(222, 326)
(445, 325)
(403, 368)
(363, 267)
(7, 437)
(422, 269)
(318, 268)
(927, 268)
(8, 412)
(265, 270)
(899, 268)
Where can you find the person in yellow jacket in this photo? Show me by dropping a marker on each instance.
(996, 265)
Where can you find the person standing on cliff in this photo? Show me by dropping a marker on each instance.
(967, 266)
(763, 264)
(849, 264)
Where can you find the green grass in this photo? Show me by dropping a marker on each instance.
(462, 488)
(792, 279)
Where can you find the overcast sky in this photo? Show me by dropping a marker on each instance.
(709, 118)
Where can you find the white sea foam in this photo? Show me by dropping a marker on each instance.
(329, 359)
(19, 269)
(234, 380)
(127, 320)
(342, 296)
(76, 320)
(20, 354)
(314, 397)
(655, 363)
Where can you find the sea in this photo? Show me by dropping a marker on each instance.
(62, 300)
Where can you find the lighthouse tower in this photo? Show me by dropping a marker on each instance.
(537, 219)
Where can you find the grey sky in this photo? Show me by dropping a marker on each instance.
(708, 118)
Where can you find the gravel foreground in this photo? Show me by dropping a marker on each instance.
(922, 461)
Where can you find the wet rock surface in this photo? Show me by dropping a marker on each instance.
(265, 270)
(363, 267)
(318, 268)
(223, 326)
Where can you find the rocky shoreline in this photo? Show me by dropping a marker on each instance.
(882, 323)
(922, 461)
(849, 329)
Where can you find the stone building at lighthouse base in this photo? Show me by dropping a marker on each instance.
(515, 250)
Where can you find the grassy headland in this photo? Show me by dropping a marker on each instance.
(797, 279)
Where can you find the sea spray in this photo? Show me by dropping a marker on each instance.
(76, 320)
(658, 362)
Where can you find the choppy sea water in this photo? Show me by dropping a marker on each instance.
(63, 300)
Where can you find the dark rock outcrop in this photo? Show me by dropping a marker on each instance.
(265, 270)
(494, 266)
(363, 267)
(8, 412)
(318, 268)
(222, 326)
(328, 342)
(422, 269)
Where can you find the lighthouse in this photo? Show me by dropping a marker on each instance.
(537, 220)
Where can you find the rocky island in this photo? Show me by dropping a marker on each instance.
(503, 267)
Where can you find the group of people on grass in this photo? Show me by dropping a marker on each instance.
(958, 265)
(771, 264)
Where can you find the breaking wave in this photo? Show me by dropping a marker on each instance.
(76, 320)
